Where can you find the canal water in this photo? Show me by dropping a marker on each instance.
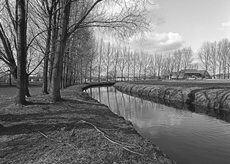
(185, 136)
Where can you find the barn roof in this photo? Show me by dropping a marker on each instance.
(202, 71)
(193, 71)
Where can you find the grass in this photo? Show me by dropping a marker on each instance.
(7, 93)
(10, 91)
(46, 132)
(188, 83)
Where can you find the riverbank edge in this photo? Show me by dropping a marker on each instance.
(214, 98)
(164, 157)
(27, 128)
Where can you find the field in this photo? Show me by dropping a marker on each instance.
(212, 83)
(7, 93)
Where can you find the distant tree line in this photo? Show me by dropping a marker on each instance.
(215, 57)
(116, 62)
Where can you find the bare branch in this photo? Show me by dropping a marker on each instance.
(10, 14)
(83, 18)
(37, 66)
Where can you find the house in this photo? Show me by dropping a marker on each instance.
(191, 73)
(188, 73)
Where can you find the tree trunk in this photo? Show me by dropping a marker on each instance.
(81, 71)
(67, 74)
(64, 75)
(115, 72)
(224, 69)
(55, 94)
(139, 74)
(27, 92)
(46, 59)
(70, 79)
(99, 73)
(134, 72)
(54, 35)
(85, 73)
(21, 52)
(56, 74)
(90, 73)
(219, 71)
(75, 74)
(10, 80)
(145, 72)
(107, 73)
(122, 74)
(228, 71)
(128, 72)
(45, 75)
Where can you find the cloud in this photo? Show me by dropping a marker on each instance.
(157, 42)
(152, 6)
(153, 14)
(225, 25)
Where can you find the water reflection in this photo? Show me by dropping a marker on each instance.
(187, 137)
(123, 101)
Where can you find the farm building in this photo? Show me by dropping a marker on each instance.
(190, 73)
(195, 73)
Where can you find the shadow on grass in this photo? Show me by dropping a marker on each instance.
(68, 117)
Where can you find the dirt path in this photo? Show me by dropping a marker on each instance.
(76, 130)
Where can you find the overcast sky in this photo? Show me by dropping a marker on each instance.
(181, 23)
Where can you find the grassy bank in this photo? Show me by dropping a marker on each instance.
(213, 83)
(211, 94)
(76, 130)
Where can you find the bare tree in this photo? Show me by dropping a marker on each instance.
(134, 64)
(158, 61)
(145, 61)
(17, 29)
(152, 66)
(46, 13)
(140, 64)
(99, 58)
(108, 59)
(92, 59)
(122, 61)
(60, 50)
(177, 55)
(168, 66)
(21, 50)
(186, 57)
(115, 61)
(126, 22)
(204, 55)
(213, 58)
(224, 50)
(128, 56)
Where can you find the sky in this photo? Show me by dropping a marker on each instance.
(184, 23)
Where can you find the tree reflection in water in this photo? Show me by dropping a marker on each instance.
(186, 133)
(127, 105)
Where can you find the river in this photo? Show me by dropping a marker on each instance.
(185, 136)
